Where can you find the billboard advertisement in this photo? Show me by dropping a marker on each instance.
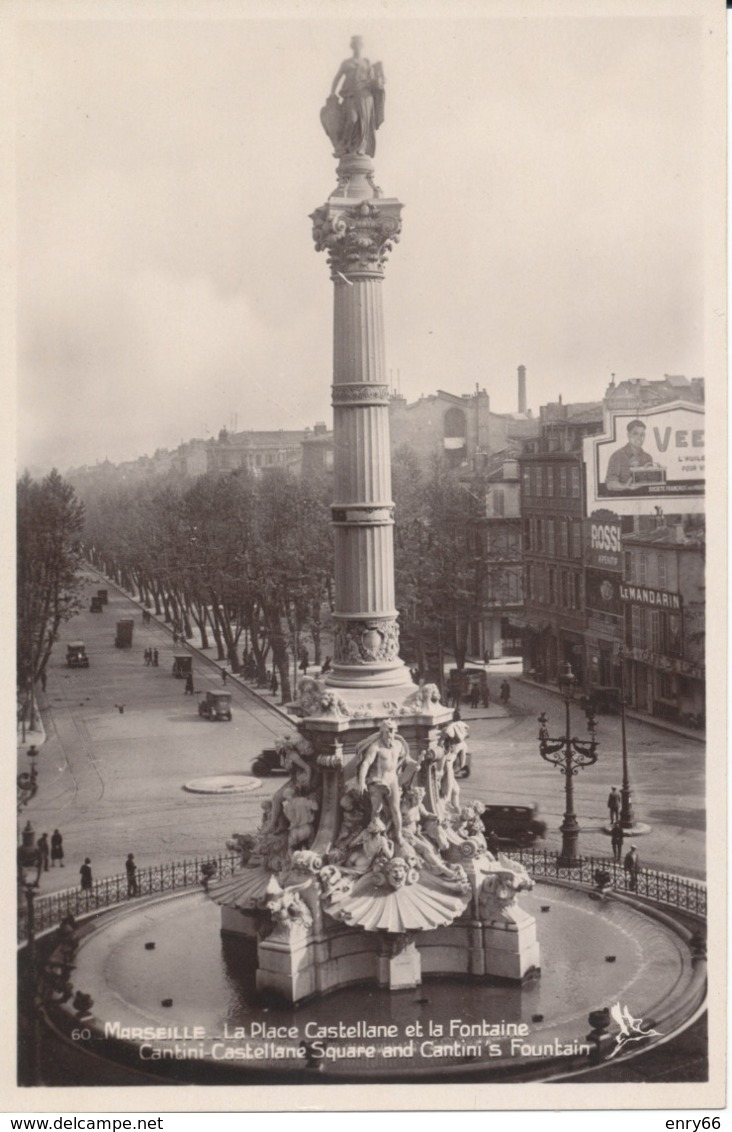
(603, 541)
(648, 458)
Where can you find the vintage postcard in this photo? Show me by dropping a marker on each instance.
(364, 677)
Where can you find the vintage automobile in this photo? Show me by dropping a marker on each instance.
(215, 705)
(514, 826)
(125, 628)
(76, 655)
(461, 680)
(96, 605)
(182, 666)
(269, 761)
(603, 699)
(103, 596)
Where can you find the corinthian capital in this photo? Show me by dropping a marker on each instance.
(357, 238)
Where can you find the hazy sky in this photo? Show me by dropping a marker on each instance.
(553, 175)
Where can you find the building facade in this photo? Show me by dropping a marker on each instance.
(553, 510)
(662, 596)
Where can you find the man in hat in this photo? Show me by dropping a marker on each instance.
(131, 870)
(616, 840)
(620, 465)
(614, 801)
(631, 864)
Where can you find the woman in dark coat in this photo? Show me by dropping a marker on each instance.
(86, 875)
(57, 848)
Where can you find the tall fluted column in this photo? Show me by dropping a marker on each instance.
(357, 227)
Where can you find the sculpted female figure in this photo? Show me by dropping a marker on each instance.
(352, 124)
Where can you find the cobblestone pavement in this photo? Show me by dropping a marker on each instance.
(112, 781)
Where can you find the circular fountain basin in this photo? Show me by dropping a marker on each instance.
(187, 1008)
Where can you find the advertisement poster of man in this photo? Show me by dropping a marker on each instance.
(657, 455)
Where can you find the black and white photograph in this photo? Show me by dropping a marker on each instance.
(361, 356)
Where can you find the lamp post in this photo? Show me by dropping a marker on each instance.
(626, 805)
(570, 755)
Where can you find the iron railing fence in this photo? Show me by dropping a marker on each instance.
(668, 889)
(172, 876)
(675, 891)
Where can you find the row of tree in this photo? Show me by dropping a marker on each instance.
(50, 520)
(246, 561)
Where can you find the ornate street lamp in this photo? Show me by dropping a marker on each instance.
(626, 805)
(569, 754)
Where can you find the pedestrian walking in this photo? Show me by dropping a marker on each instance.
(614, 801)
(223, 676)
(131, 870)
(631, 864)
(86, 875)
(188, 691)
(146, 656)
(474, 694)
(274, 685)
(44, 850)
(155, 658)
(304, 661)
(505, 694)
(616, 840)
(326, 665)
(57, 849)
(486, 694)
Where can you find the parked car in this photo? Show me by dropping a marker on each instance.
(182, 666)
(515, 826)
(96, 605)
(460, 680)
(269, 761)
(76, 655)
(215, 705)
(125, 628)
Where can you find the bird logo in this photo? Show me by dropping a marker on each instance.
(630, 1028)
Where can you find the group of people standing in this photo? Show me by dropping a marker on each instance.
(87, 880)
(631, 862)
(477, 693)
(150, 657)
(52, 851)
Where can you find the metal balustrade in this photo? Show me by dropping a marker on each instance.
(667, 889)
(106, 893)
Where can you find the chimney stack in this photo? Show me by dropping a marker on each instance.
(522, 389)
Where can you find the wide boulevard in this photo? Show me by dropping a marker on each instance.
(112, 781)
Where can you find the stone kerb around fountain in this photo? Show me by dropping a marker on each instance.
(168, 997)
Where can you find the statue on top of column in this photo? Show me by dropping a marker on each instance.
(351, 120)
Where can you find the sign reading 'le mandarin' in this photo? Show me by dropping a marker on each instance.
(644, 595)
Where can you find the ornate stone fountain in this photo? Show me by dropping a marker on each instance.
(367, 866)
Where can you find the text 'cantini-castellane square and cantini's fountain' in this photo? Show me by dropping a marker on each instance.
(368, 867)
